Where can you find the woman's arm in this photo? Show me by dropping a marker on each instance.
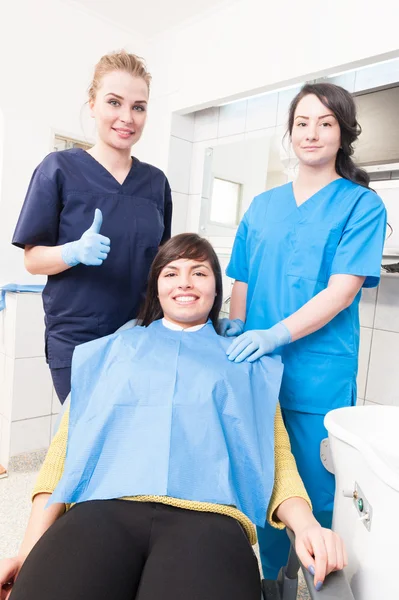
(317, 312)
(91, 250)
(238, 302)
(312, 316)
(320, 550)
(287, 481)
(320, 310)
(235, 324)
(41, 518)
(44, 260)
(53, 465)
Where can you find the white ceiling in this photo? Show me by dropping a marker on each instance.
(150, 17)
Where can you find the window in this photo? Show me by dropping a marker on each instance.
(61, 142)
(225, 204)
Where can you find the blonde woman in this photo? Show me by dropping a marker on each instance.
(93, 220)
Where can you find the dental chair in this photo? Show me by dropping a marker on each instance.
(335, 587)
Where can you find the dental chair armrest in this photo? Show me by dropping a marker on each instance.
(335, 587)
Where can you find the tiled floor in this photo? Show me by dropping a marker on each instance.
(302, 591)
(15, 493)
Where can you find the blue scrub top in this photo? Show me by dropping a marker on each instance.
(84, 303)
(286, 254)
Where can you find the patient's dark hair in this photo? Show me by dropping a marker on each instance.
(185, 245)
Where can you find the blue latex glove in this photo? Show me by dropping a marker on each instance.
(92, 248)
(251, 345)
(231, 327)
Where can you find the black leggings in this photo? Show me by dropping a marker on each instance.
(128, 550)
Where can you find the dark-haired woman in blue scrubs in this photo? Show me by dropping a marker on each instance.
(302, 254)
(92, 221)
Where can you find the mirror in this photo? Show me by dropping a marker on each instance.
(234, 173)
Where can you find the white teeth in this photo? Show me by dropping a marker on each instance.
(185, 298)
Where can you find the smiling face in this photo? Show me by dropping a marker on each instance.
(120, 109)
(315, 135)
(186, 291)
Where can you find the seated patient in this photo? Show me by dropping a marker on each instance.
(169, 454)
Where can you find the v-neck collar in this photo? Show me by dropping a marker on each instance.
(313, 196)
(88, 157)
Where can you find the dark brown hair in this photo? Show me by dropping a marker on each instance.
(341, 103)
(185, 245)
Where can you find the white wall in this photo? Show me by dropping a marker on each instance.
(253, 46)
(1, 153)
(378, 379)
(28, 403)
(48, 50)
(390, 196)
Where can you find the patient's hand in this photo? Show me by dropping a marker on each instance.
(321, 551)
(9, 569)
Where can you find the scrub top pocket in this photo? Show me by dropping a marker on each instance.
(313, 250)
(147, 220)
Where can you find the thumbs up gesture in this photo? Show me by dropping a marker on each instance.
(92, 248)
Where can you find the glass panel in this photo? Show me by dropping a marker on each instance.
(225, 202)
(59, 144)
(81, 145)
(243, 165)
(64, 143)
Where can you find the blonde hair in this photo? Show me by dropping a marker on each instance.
(118, 61)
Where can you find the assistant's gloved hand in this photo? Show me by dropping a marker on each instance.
(251, 345)
(92, 248)
(231, 327)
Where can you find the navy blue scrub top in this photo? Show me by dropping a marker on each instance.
(84, 303)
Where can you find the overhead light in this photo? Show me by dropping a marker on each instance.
(251, 96)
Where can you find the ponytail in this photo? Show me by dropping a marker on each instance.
(346, 168)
